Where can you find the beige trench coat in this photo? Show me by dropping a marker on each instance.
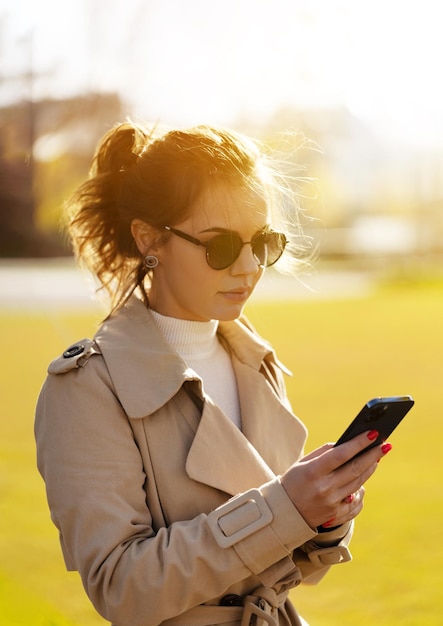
(163, 505)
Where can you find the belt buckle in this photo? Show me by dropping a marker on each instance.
(260, 614)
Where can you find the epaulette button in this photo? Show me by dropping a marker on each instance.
(75, 350)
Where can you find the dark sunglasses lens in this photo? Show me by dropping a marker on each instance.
(268, 247)
(222, 250)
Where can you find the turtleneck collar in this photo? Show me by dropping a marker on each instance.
(189, 338)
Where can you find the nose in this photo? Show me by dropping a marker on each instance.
(246, 263)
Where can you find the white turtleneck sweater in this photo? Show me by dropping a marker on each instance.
(199, 347)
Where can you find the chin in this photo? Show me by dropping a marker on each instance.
(229, 316)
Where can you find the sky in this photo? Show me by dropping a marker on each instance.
(209, 61)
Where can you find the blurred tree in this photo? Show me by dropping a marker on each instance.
(17, 232)
(45, 151)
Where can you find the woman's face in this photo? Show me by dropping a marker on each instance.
(184, 285)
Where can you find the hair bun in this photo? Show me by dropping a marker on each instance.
(119, 149)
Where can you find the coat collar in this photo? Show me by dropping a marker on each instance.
(145, 371)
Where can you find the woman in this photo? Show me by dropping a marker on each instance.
(174, 467)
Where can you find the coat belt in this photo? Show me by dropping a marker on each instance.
(263, 604)
(261, 607)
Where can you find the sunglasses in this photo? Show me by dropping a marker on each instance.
(224, 249)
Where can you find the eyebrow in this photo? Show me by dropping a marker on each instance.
(216, 229)
(219, 229)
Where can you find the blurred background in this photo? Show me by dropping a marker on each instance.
(348, 93)
(357, 81)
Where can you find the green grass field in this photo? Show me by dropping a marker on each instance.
(342, 352)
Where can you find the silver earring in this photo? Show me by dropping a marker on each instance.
(150, 261)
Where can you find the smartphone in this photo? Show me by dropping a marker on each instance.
(381, 414)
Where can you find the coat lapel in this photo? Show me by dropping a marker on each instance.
(147, 375)
(234, 461)
(222, 457)
(272, 429)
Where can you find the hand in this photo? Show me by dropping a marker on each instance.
(326, 486)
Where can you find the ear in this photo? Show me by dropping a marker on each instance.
(145, 236)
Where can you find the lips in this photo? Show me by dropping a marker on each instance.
(239, 294)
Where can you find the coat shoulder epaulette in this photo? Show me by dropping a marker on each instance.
(76, 355)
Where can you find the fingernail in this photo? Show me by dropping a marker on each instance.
(329, 522)
(386, 447)
(372, 435)
(349, 498)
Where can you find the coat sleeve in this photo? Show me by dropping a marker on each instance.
(95, 485)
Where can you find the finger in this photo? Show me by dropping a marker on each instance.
(347, 509)
(359, 469)
(351, 510)
(354, 475)
(340, 455)
(356, 505)
(354, 497)
(318, 452)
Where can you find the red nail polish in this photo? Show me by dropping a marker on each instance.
(372, 435)
(349, 498)
(386, 447)
(329, 522)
